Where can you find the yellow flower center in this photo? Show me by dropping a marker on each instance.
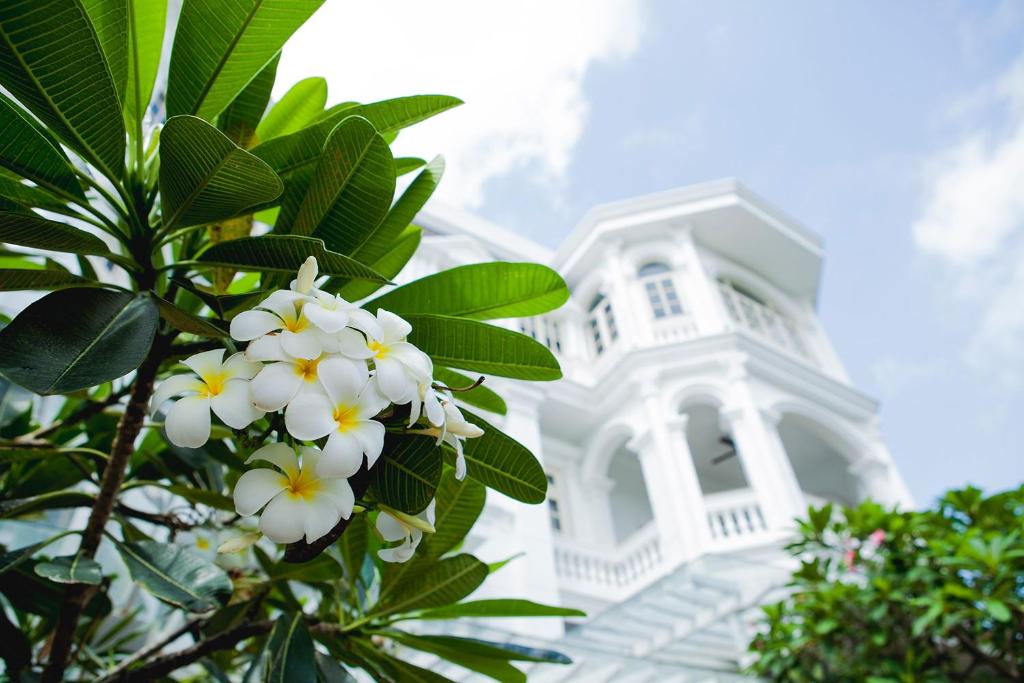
(202, 543)
(295, 323)
(379, 350)
(306, 369)
(213, 384)
(346, 416)
(305, 486)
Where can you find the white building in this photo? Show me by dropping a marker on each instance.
(703, 407)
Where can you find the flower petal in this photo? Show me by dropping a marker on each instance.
(310, 416)
(255, 488)
(342, 378)
(238, 367)
(266, 348)
(234, 405)
(328, 320)
(370, 435)
(341, 493)
(353, 344)
(310, 456)
(249, 325)
(390, 528)
(418, 363)
(342, 456)
(305, 344)
(280, 454)
(398, 554)
(284, 303)
(284, 520)
(393, 381)
(276, 384)
(393, 328)
(177, 384)
(363, 320)
(460, 465)
(188, 422)
(321, 516)
(307, 275)
(206, 364)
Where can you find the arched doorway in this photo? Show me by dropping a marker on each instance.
(714, 452)
(820, 461)
(628, 499)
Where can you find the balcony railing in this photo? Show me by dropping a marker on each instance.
(627, 568)
(734, 515)
(764, 322)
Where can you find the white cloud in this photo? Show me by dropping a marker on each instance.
(973, 221)
(519, 66)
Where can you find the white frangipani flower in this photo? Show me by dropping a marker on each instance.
(282, 312)
(396, 526)
(344, 412)
(427, 403)
(306, 278)
(456, 430)
(284, 377)
(329, 312)
(221, 386)
(298, 502)
(400, 366)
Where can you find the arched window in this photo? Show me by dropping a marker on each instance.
(601, 320)
(661, 290)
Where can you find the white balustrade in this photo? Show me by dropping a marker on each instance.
(673, 329)
(629, 567)
(734, 515)
(764, 322)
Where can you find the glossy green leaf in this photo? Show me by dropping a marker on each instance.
(386, 668)
(492, 667)
(203, 497)
(500, 462)
(481, 291)
(220, 46)
(176, 576)
(492, 650)
(13, 279)
(381, 241)
(52, 62)
(407, 473)
(351, 188)
(26, 151)
(459, 504)
(352, 546)
(479, 396)
(71, 569)
(146, 19)
(30, 230)
(186, 322)
(497, 608)
(204, 177)
(296, 109)
(998, 610)
(52, 500)
(240, 119)
(17, 196)
(472, 345)
(12, 558)
(405, 165)
(109, 19)
(388, 266)
(291, 651)
(77, 338)
(443, 583)
(284, 254)
(31, 593)
(290, 153)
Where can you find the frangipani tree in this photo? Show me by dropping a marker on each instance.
(215, 331)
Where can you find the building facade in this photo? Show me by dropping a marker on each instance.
(702, 408)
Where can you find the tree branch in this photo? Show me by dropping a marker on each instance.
(301, 551)
(82, 413)
(113, 476)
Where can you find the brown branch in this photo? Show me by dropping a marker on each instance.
(471, 387)
(987, 659)
(304, 552)
(115, 673)
(128, 429)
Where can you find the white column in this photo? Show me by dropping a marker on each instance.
(700, 287)
(695, 521)
(627, 320)
(765, 464)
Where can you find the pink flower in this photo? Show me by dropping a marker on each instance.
(848, 559)
(877, 537)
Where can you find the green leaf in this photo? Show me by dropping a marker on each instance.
(146, 19)
(500, 462)
(321, 568)
(29, 230)
(186, 322)
(481, 291)
(284, 254)
(77, 338)
(407, 473)
(496, 608)
(382, 240)
(204, 177)
(488, 649)
(13, 279)
(405, 165)
(472, 345)
(290, 153)
(12, 558)
(219, 47)
(388, 266)
(352, 546)
(303, 102)
(330, 671)
(16, 196)
(109, 18)
(387, 669)
(14, 401)
(350, 191)
(479, 396)
(203, 497)
(52, 500)
(176, 576)
(239, 121)
(26, 151)
(444, 582)
(459, 504)
(71, 569)
(998, 610)
(291, 651)
(491, 667)
(52, 62)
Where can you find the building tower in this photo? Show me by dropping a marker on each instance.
(703, 408)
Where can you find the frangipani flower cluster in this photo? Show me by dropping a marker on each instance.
(334, 370)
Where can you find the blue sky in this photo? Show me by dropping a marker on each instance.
(895, 130)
